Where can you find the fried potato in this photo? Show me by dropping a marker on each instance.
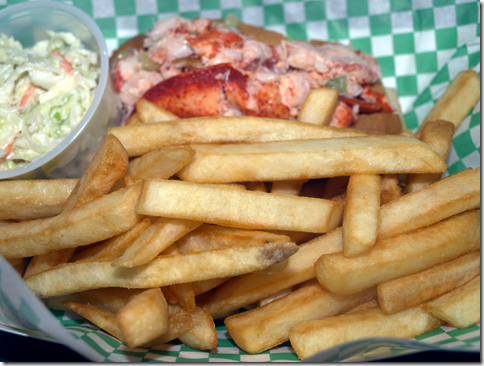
(216, 204)
(401, 255)
(292, 187)
(203, 335)
(438, 134)
(262, 328)
(319, 106)
(161, 163)
(453, 194)
(386, 123)
(133, 119)
(108, 166)
(257, 186)
(144, 318)
(178, 323)
(315, 336)
(252, 287)
(99, 316)
(94, 221)
(161, 271)
(391, 188)
(158, 237)
(200, 287)
(117, 245)
(458, 100)
(459, 308)
(141, 138)
(309, 159)
(361, 218)
(406, 292)
(149, 112)
(33, 199)
(207, 237)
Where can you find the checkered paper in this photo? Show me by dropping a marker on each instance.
(420, 45)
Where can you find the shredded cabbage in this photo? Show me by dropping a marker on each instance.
(45, 92)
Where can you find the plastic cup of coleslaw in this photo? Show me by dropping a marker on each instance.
(28, 23)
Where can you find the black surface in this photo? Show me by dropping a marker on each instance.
(15, 348)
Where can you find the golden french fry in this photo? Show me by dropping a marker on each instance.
(94, 221)
(133, 119)
(366, 305)
(437, 134)
(256, 186)
(458, 100)
(87, 251)
(459, 308)
(99, 316)
(144, 318)
(108, 165)
(33, 199)
(391, 188)
(292, 187)
(401, 255)
(405, 292)
(178, 323)
(308, 159)
(200, 287)
(275, 296)
(159, 236)
(161, 271)
(319, 106)
(141, 138)
(315, 336)
(117, 245)
(216, 204)
(252, 287)
(453, 194)
(149, 112)
(161, 163)
(267, 326)
(207, 237)
(361, 218)
(203, 335)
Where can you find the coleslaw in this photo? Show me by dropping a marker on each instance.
(45, 92)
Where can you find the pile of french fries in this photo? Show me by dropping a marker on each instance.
(289, 230)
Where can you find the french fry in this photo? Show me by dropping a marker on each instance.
(256, 186)
(387, 123)
(94, 221)
(252, 287)
(459, 308)
(108, 165)
(319, 106)
(315, 336)
(203, 335)
(144, 318)
(161, 271)
(391, 189)
(457, 101)
(405, 292)
(33, 199)
(453, 194)
(87, 251)
(366, 305)
(309, 159)
(158, 237)
(437, 134)
(232, 207)
(99, 316)
(133, 119)
(178, 323)
(141, 138)
(275, 296)
(200, 287)
(262, 328)
(117, 245)
(161, 163)
(180, 293)
(361, 218)
(149, 112)
(401, 255)
(292, 187)
(207, 237)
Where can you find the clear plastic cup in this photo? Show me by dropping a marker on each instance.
(28, 22)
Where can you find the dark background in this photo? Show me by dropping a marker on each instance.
(16, 348)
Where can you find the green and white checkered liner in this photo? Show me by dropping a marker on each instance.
(421, 45)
